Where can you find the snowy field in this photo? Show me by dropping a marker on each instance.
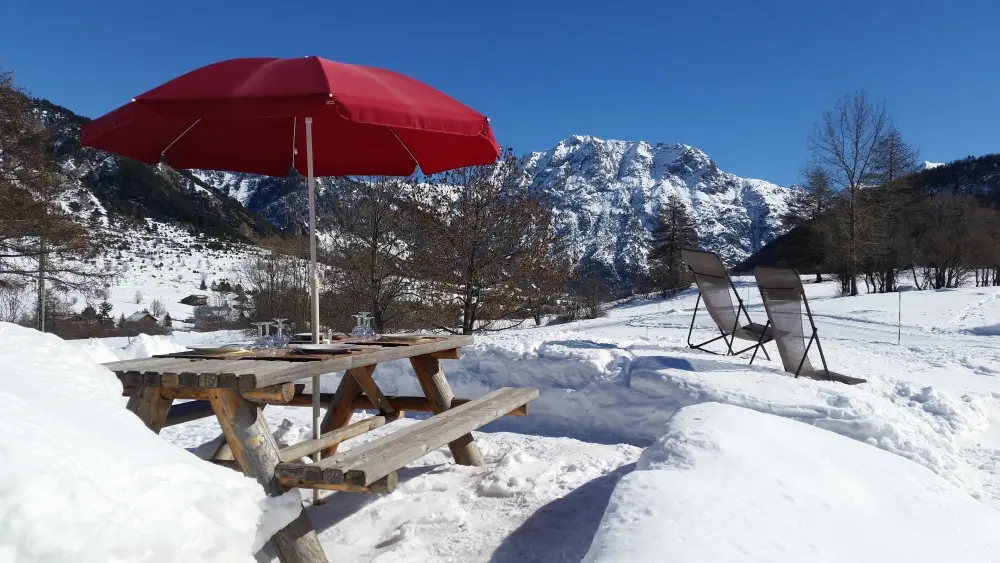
(640, 449)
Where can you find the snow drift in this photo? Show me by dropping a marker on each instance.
(83, 479)
(729, 484)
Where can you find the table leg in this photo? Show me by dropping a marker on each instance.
(150, 407)
(439, 394)
(341, 409)
(256, 452)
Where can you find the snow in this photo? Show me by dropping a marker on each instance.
(83, 480)
(927, 420)
(607, 194)
(103, 350)
(927, 165)
(723, 485)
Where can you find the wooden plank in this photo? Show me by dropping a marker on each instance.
(385, 485)
(127, 365)
(363, 359)
(453, 354)
(275, 394)
(440, 396)
(256, 452)
(306, 448)
(186, 412)
(341, 408)
(400, 403)
(366, 463)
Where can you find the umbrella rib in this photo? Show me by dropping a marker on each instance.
(391, 130)
(164, 151)
(295, 122)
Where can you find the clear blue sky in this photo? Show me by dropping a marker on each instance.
(743, 81)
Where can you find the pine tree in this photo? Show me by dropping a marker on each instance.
(104, 311)
(809, 203)
(674, 231)
(203, 286)
(167, 321)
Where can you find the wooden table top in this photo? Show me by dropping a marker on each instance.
(254, 370)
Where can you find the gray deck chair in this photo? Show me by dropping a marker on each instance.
(783, 295)
(716, 289)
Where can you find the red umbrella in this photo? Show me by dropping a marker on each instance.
(264, 115)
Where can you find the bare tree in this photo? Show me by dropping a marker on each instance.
(482, 243)
(137, 297)
(13, 301)
(369, 253)
(846, 144)
(157, 308)
(277, 279)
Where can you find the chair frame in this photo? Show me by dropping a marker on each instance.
(814, 337)
(728, 339)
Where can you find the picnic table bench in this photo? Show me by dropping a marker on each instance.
(235, 387)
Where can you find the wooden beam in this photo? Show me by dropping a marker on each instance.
(151, 407)
(186, 412)
(440, 396)
(400, 403)
(256, 452)
(366, 463)
(372, 392)
(453, 354)
(341, 409)
(385, 485)
(308, 447)
(274, 394)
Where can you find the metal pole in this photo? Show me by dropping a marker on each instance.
(41, 284)
(899, 324)
(314, 285)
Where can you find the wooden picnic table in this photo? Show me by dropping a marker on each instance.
(235, 387)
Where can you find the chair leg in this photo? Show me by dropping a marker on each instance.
(760, 343)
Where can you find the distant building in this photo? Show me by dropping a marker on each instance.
(141, 320)
(196, 300)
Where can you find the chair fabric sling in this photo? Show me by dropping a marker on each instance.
(716, 289)
(784, 297)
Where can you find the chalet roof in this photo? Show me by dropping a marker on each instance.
(138, 316)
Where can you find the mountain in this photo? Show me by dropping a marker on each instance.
(110, 190)
(607, 193)
(927, 165)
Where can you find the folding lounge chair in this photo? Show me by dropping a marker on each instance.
(781, 290)
(714, 287)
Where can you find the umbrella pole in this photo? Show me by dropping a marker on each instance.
(314, 286)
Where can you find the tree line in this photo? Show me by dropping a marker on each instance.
(872, 219)
(465, 251)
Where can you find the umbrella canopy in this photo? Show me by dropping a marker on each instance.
(247, 115)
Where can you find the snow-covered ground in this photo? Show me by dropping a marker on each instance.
(165, 263)
(912, 456)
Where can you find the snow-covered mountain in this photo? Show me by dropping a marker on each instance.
(607, 194)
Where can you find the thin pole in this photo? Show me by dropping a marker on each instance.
(41, 284)
(314, 283)
(899, 324)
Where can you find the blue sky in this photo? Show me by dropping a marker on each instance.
(743, 81)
